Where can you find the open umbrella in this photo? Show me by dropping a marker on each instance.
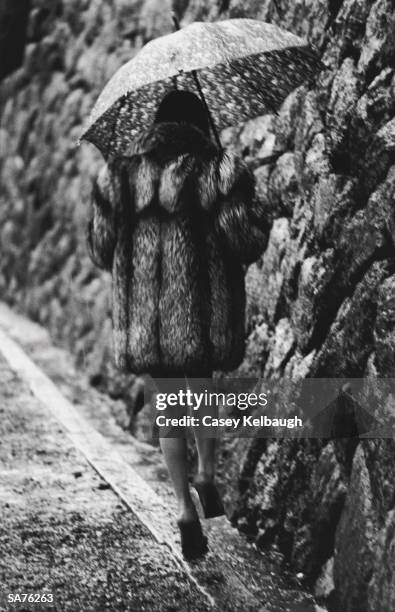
(241, 68)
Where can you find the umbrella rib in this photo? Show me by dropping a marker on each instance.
(210, 117)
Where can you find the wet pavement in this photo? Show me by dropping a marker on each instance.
(64, 531)
(67, 531)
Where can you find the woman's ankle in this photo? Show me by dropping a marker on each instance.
(203, 476)
(187, 511)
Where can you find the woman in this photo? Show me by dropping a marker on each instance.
(175, 221)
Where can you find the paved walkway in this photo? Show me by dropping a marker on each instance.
(64, 531)
(80, 513)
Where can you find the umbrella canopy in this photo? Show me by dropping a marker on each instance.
(245, 68)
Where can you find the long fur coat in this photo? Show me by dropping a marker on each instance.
(174, 222)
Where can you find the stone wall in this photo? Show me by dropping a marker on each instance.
(322, 298)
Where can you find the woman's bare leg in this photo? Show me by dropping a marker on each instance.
(206, 459)
(175, 453)
(205, 446)
(210, 498)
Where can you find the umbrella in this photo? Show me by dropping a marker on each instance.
(241, 68)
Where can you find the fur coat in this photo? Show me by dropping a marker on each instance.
(174, 221)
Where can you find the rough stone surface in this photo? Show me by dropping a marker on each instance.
(321, 299)
(354, 540)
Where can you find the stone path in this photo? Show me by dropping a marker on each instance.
(80, 513)
(65, 532)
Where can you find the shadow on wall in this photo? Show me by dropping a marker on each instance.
(14, 21)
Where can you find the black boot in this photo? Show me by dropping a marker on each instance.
(193, 541)
(209, 498)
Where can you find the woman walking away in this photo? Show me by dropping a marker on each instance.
(175, 221)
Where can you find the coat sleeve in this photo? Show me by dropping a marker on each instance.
(240, 218)
(101, 230)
